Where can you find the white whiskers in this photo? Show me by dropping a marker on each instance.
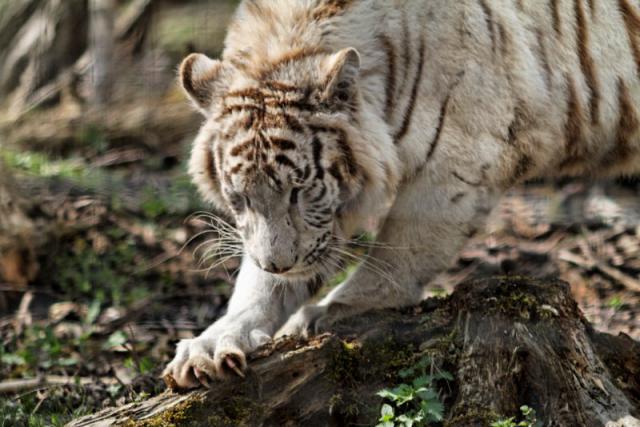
(226, 244)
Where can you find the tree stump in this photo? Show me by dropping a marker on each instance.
(507, 342)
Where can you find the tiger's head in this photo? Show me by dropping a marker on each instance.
(276, 152)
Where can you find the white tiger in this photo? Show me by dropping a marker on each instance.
(421, 113)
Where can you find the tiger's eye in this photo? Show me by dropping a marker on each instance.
(343, 96)
(238, 202)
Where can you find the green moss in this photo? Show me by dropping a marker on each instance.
(473, 416)
(344, 364)
(513, 299)
(238, 411)
(519, 304)
(442, 347)
(182, 414)
(198, 411)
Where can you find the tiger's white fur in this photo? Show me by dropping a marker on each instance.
(425, 112)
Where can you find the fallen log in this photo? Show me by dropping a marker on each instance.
(506, 342)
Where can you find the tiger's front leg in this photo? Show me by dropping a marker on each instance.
(257, 308)
(427, 226)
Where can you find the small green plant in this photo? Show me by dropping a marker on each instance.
(528, 420)
(60, 406)
(153, 205)
(81, 272)
(417, 402)
(615, 303)
(142, 365)
(39, 348)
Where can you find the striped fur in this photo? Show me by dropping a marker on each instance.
(325, 114)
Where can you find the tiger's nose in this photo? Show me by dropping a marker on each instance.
(274, 269)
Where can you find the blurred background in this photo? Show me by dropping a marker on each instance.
(103, 264)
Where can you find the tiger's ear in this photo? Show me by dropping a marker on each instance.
(200, 77)
(342, 70)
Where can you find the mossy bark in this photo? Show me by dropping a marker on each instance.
(507, 341)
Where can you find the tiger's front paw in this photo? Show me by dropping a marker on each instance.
(201, 360)
(308, 320)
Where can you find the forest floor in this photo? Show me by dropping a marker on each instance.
(125, 274)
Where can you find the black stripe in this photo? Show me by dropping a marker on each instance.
(441, 120)
(586, 61)
(414, 96)
(347, 153)
(242, 147)
(314, 286)
(229, 109)
(406, 58)
(306, 173)
(466, 181)
(334, 171)
(293, 123)
(282, 144)
(285, 161)
(632, 24)
(317, 155)
(391, 76)
(271, 173)
(300, 105)
(210, 164)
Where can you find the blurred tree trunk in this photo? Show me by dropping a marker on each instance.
(13, 15)
(38, 39)
(48, 47)
(18, 264)
(102, 23)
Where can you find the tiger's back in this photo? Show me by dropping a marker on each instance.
(557, 80)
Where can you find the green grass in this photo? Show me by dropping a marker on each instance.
(178, 197)
(42, 165)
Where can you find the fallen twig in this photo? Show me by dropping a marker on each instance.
(18, 386)
(591, 263)
(23, 316)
